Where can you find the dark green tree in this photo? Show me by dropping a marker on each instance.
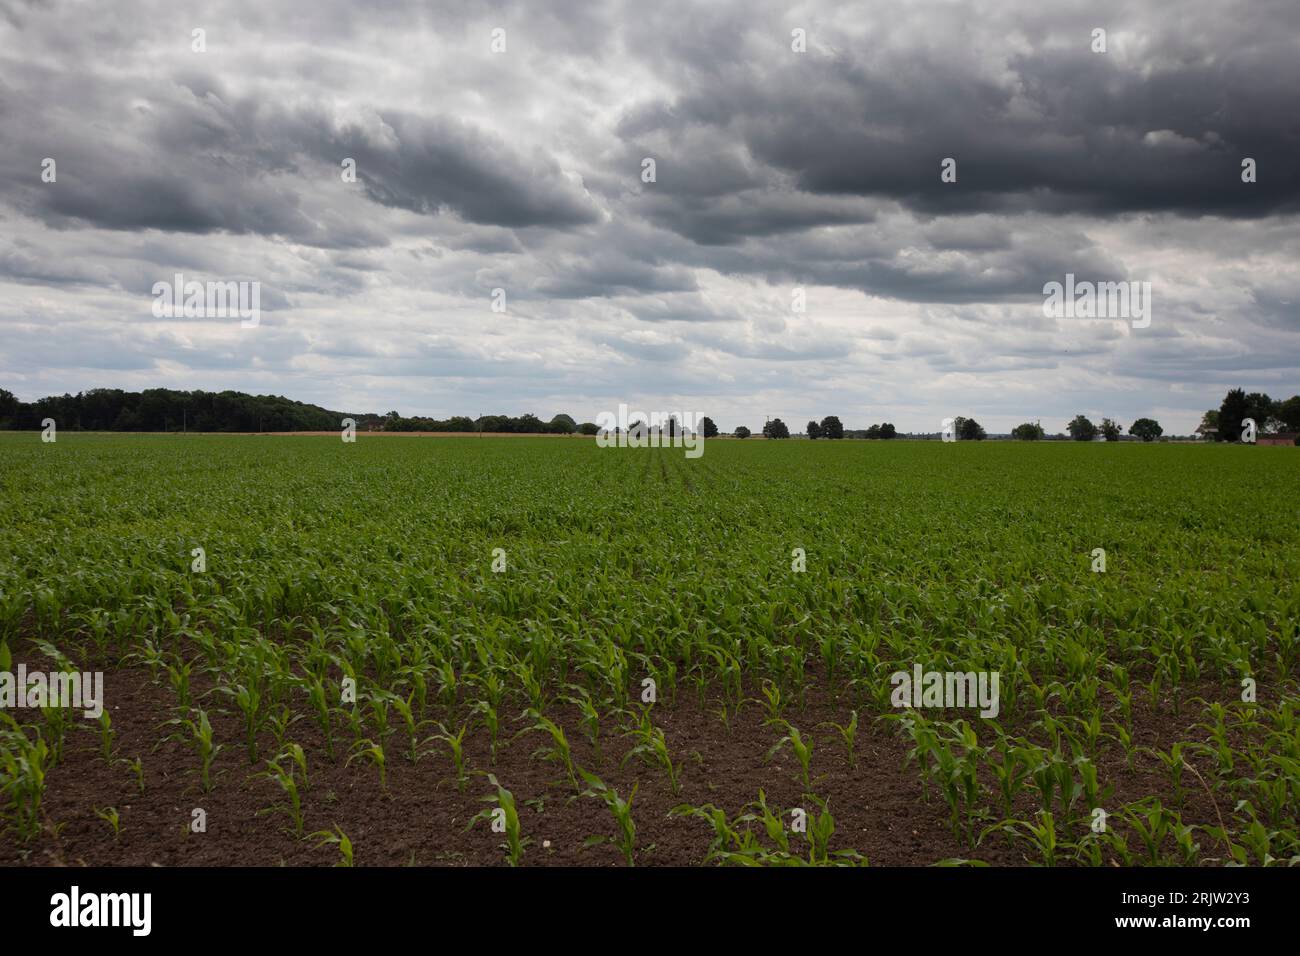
(1148, 429)
(1029, 431)
(1234, 410)
(776, 429)
(1288, 413)
(832, 427)
(1081, 429)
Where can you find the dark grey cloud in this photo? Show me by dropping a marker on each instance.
(776, 171)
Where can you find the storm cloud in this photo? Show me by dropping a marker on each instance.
(797, 251)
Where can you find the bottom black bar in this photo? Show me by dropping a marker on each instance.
(336, 906)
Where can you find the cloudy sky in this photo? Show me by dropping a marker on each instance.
(775, 171)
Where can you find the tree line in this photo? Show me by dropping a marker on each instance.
(163, 410)
(1227, 422)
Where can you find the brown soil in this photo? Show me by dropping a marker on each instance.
(422, 819)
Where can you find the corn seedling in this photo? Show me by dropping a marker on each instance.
(200, 737)
(849, 734)
(106, 737)
(338, 838)
(110, 816)
(507, 818)
(802, 750)
(289, 787)
(621, 810)
(652, 748)
(456, 749)
(373, 752)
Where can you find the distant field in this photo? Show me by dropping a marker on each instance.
(330, 563)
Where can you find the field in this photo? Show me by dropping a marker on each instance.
(347, 678)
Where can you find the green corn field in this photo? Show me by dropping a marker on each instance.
(387, 636)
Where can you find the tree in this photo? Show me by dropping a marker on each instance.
(1264, 410)
(776, 429)
(1029, 431)
(9, 406)
(710, 430)
(831, 427)
(589, 428)
(1081, 429)
(873, 432)
(563, 425)
(1148, 429)
(887, 430)
(814, 430)
(1288, 412)
(1234, 410)
(741, 432)
(970, 430)
(1110, 430)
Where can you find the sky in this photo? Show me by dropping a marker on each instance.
(798, 161)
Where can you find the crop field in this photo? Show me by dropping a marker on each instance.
(540, 652)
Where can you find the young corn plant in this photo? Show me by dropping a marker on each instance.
(23, 765)
(249, 702)
(369, 750)
(1154, 823)
(178, 675)
(652, 748)
(338, 838)
(1173, 763)
(726, 838)
(504, 818)
(491, 719)
(772, 701)
(197, 731)
(456, 749)
(1041, 835)
(621, 810)
(821, 826)
(589, 716)
(1011, 772)
(58, 721)
(110, 816)
(410, 724)
(849, 734)
(558, 751)
(802, 750)
(319, 703)
(136, 766)
(289, 787)
(106, 737)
